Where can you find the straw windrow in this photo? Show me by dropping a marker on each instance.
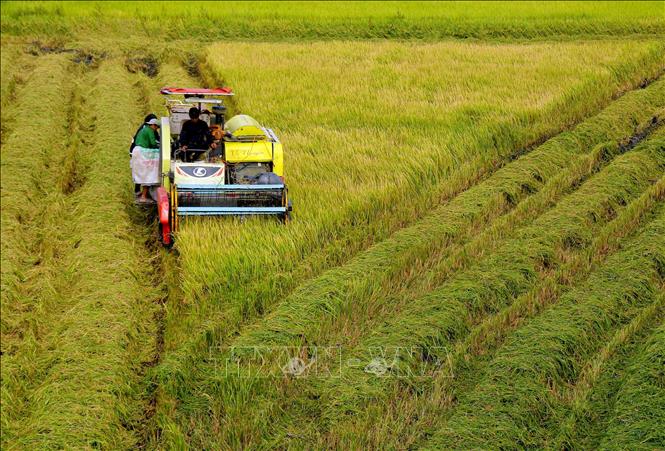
(516, 402)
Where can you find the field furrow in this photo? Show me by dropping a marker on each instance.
(517, 400)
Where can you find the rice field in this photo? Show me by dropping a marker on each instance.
(476, 258)
(321, 20)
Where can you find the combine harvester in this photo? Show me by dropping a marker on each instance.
(243, 176)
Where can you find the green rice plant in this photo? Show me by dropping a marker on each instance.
(516, 403)
(326, 20)
(409, 419)
(549, 289)
(638, 415)
(579, 395)
(350, 215)
(497, 278)
(492, 331)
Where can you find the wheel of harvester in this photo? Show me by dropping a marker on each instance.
(167, 244)
(166, 239)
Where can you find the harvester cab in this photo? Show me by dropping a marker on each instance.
(242, 175)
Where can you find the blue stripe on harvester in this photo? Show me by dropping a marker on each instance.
(186, 187)
(219, 211)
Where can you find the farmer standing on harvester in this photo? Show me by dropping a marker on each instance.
(137, 187)
(145, 159)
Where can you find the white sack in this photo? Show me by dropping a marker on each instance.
(145, 166)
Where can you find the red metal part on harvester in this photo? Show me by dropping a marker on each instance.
(197, 91)
(163, 211)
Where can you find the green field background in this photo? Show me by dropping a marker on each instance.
(343, 20)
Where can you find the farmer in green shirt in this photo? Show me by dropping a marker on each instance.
(145, 159)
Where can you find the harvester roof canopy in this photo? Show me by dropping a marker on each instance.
(197, 91)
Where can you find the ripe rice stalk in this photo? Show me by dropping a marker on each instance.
(250, 287)
(271, 21)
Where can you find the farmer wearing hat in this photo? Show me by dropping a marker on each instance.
(145, 159)
(137, 187)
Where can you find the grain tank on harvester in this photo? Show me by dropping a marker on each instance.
(243, 175)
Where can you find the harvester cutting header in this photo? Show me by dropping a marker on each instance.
(236, 171)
